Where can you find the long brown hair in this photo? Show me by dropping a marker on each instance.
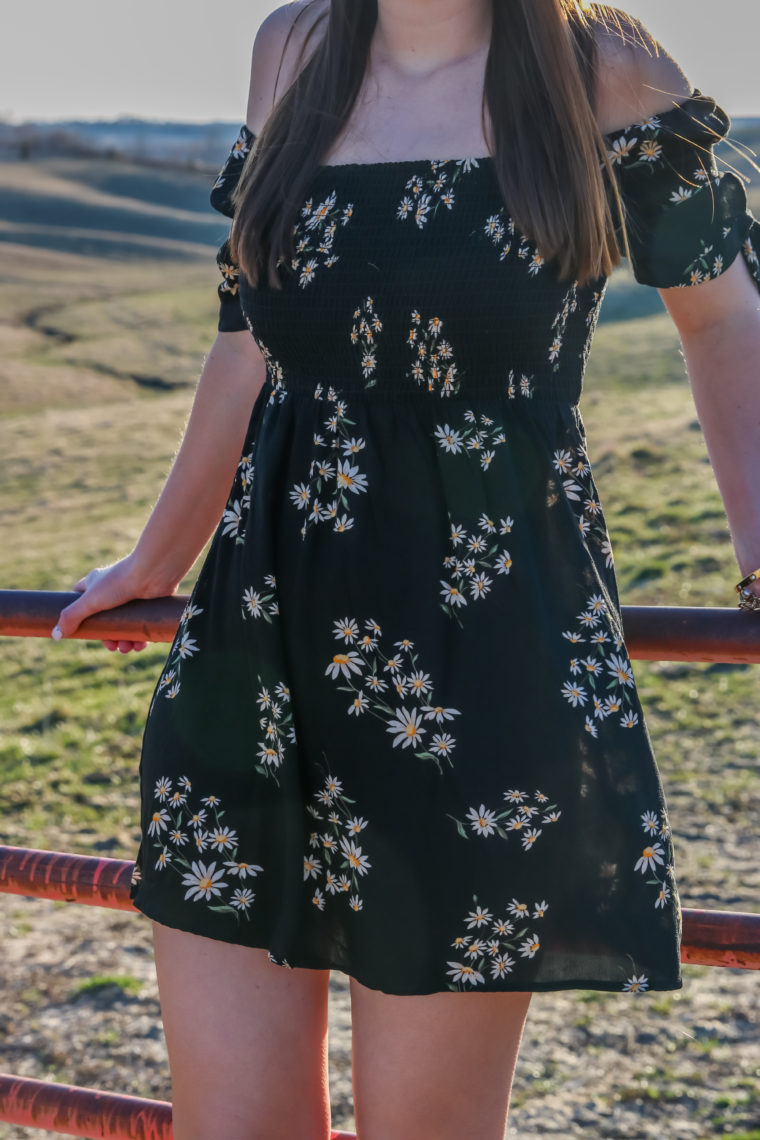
(549, 155)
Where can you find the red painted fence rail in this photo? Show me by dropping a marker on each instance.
(76, 1111)
(710, 937)
(653, 633)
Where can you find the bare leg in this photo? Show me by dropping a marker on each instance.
(247, 1041)
(434, 1067)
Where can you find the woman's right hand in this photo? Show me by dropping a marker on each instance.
(103, 588)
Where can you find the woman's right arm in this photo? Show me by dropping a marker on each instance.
(195, 493)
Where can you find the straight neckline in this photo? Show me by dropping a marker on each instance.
(609, 136)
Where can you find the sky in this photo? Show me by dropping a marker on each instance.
(190, 59)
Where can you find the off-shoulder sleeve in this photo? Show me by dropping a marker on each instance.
(687, 221)
(231, 317)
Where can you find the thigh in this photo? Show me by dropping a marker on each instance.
(247, 1041)
(434, 1067)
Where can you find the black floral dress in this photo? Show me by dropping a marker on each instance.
(398, 733)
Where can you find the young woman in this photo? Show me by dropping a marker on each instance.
(398, 733)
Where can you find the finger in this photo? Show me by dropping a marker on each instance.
(112, 645)
(125, 646)
(72, 616)
(140, 645)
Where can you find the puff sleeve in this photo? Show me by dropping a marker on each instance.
(687, 221)
(231, 317)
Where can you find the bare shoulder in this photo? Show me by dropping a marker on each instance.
(283, 44)
(636, 76)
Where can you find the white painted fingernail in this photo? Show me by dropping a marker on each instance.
(56, 633)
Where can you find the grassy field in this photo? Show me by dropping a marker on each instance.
(107, 292)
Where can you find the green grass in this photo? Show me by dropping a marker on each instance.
(98, 982)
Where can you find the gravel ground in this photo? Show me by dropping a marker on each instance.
(669, 1065)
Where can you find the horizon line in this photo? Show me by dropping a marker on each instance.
(11, 120)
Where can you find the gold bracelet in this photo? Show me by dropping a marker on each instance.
(747, 599)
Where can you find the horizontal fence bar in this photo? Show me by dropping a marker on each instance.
(652, 633)
(710, 937)
(76, 1111)
(59, 875)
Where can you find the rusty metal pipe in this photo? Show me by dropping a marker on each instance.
(59, 875)
(76, 1111)
(710, 937)
(654, 633)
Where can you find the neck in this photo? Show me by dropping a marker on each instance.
(417, 37)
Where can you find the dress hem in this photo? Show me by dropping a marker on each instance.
(539, 987)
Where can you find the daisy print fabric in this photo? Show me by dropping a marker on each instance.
(492, 947)
(391, 686)
(401, 680)
(432, 190)
(335, 863)
(197, 851)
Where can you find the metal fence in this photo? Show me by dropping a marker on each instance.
(711, 938)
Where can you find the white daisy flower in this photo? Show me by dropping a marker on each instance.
(353, 856)
(449, 439)
(187, 647)
(359, 705)
(620, 667)
(300, 495)
(346, 628)
(477, 917)
(465, 973)
(345, 664)
(575, 694)
(232, 518)
(243, 870)
(530, 947)
(442, 743)
(163, 788)
(636, 985)
(650, 822)
(530, 837)
(501, 966)
(242, 898)
(203, 881)
(482, 820)
(407, 728)
(158, 822)
(223, 837)
(318, 899)
(650, 856)
(349, 477)
(438, 713)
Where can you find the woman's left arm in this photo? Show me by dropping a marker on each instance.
(719, 326)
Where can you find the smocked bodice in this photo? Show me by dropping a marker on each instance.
(411, 277)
